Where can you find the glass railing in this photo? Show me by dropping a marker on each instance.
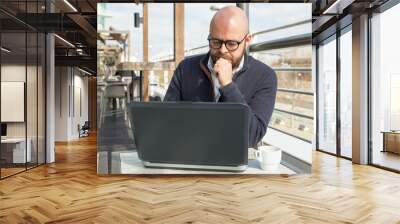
(294, 106)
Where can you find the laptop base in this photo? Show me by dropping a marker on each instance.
(239, 168)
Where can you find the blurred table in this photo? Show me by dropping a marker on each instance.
(391, 141)
(14, 150)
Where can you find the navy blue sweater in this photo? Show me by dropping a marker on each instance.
(254, 85)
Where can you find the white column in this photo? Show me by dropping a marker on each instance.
(360, 90)
(50, 99)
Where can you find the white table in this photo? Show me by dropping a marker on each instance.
(129, 163)
(19, 153)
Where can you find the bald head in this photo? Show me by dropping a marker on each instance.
(230, 19)
(230, 24)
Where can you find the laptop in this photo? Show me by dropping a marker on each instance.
(191, 135)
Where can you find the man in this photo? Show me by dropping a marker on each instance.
(227, 74)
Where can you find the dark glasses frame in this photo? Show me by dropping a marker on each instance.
(220, 42)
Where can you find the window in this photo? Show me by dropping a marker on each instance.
(161, 31)
(346, 93)
(197, 21)
(385, 89)
(119, 17)
(327, 96)
(294, 101)
(298, 23)
(294, 105)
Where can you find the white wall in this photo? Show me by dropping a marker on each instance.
(12, 73)
(70, 83)
(79, 117)
(61, 89)
(33, 125)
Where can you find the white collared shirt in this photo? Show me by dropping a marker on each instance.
(214, 77)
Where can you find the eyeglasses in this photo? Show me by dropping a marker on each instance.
(231, 45)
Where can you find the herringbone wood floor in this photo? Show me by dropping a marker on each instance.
(70, 191)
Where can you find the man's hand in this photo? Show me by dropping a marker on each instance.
(223, 70)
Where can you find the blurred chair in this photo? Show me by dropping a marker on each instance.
(116, 92)
(84, 130)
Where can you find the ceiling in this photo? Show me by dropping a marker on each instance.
(74, 23)
(331, 15)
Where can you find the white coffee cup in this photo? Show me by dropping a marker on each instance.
(269, 157)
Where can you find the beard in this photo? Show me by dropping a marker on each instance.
(235, 62)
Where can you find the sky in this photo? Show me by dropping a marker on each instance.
(262, 16)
